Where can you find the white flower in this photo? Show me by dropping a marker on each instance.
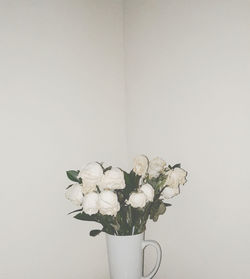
(137, 200)
(148, 190)
(91, 176)
(88, 188)
(108, 203)
(140, 165)
(169, 192)
(156, 166)
(90, 204)
(113, 179)
(74, 194)
(176, 177)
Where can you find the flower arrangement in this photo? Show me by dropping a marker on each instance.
(123, 202)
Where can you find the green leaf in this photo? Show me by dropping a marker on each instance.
(108, 168)
(126, 177)
(177, 166)
(94, 232)
(167, 204)
(120, 196)
(69, 186)
(132, 183)
(77, 210)
(134, 179)
(85, 217)
(108, 222)
(98, 189)
(158, 208)
(73, 175)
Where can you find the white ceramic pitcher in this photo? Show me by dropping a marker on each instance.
(125, 254)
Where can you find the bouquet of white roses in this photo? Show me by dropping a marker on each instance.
(123, 202)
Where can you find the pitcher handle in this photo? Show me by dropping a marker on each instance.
(157, 246)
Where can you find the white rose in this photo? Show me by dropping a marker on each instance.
(88, 188)
(140, 165)
(176, 177)
(74, 194)
(148, 190)
(113, 179)
(137, 200)
(156, 166)
(90, 204)
(108, 203)
(91, 176)
(169, 192)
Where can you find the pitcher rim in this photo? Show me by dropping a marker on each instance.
(130, 235)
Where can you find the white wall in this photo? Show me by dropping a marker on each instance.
(188, 68)
(61, 105)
